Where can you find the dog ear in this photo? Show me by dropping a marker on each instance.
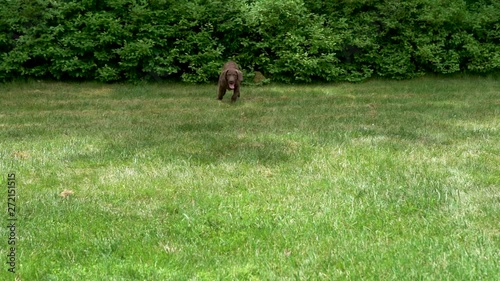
(240, 75)
(222, 77)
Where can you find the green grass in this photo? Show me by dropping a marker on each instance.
(383, 180)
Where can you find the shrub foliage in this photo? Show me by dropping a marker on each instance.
(288, 40)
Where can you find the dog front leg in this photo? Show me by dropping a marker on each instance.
(236, 94)
(222, 92)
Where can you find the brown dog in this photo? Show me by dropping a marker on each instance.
(230, 79)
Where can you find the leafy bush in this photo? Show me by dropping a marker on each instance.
(287, 40)
(301, 53)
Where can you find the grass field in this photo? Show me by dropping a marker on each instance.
(383, 180)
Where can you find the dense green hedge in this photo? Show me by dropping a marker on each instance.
(287, 40)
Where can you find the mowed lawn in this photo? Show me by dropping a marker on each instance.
(382, 180)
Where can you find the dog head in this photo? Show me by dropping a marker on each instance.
(233, 77)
